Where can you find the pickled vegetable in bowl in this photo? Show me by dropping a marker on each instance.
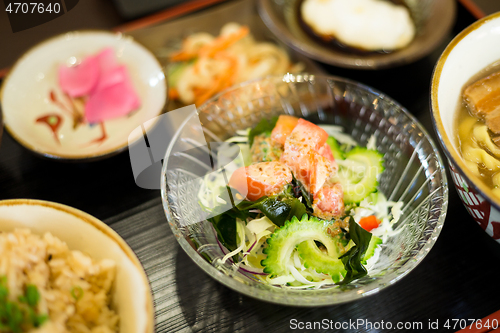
(412, 173)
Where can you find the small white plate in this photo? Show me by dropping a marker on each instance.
(26, 96)
(131, 294)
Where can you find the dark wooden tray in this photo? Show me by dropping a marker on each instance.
(457, 279)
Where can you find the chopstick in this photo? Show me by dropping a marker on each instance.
(493, 327)
(473, 8)
(4, 71)
(167, 14)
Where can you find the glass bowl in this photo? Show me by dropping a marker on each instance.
(413, 173)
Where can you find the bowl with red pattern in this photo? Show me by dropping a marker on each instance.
(79, 95)
(473, 50)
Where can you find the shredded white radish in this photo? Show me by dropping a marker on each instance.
(235, 57)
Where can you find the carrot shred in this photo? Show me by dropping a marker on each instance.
(212, 50)
(369, 222)
(182, 56)
(205, 94)
(173, 94)
(223, 42)
(220, 83)
(209, 50)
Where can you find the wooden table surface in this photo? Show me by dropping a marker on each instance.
(457, 280)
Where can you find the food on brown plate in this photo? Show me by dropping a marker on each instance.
(206, 64)
(478, 125)
(367, 25)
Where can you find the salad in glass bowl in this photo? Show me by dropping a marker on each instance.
(304, 190)
(312, 214)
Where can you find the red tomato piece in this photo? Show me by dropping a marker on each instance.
(305, 153)
(309, 134)
(238, 181)
(369, 223)
(321, 173)
(300, 160)
(260, 179)
(284, 126)
(329, 201)
(326, 151)
(309, 167)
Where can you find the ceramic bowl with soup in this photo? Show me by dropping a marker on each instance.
(465, 100)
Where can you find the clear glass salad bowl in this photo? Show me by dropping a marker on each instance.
(414, 173)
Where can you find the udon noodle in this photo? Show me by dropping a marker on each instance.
(475, 139)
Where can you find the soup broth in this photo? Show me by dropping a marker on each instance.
(479, 146)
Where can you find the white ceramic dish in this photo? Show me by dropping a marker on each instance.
(474, 49)
(131, 292)
(25, 95)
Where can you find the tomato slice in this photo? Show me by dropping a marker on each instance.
(312, 162)
(284, 126)
(308, 134)
(309, 156)
(369, 223)
(321, 173)
(329, 201)
(260, 179)
(326, 151)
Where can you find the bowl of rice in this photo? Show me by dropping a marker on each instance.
(62, 270)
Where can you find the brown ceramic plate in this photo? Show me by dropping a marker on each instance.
(165, 38)
(433, 18)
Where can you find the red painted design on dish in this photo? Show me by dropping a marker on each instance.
(479, 208)
(95, 90)
(53, 121)
(496, 230)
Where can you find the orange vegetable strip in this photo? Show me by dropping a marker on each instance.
(221, 82)
(223, 42)
(369, 222)
(215, 88)
(182, 56)
(173, 93)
